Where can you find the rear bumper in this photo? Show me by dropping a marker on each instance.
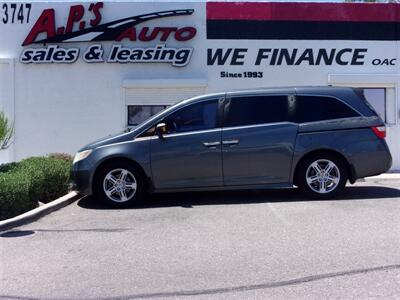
(375, 160)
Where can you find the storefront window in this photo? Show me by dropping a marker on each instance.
(376, 97)
(139, 113)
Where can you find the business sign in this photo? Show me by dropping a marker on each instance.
(94, 32)
(259, 36)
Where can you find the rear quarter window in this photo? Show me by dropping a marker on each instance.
(320, 108)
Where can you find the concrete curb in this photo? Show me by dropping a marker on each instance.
(38, 212)
(385, 176)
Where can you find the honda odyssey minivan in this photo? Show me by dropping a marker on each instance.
(315, 138)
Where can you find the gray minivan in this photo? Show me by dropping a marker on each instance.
(316, 138)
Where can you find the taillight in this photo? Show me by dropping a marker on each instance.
(380, 131)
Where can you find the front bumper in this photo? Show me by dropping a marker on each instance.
(81, 174)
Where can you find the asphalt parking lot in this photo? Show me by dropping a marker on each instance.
(220, 245)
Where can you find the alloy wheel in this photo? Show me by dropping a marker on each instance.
(119, 185)
(323, 176)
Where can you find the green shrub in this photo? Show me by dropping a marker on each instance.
(49, 177)
(8, 167)
(62, 156)
(6, 131)
(14, 194)
(34, 179)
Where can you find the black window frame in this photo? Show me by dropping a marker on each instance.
(295, 118)
(229, 98)
(129, 106)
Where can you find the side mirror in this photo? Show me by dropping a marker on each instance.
(161, 129)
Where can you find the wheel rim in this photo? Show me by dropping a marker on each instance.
(323, 176)
(119, 185)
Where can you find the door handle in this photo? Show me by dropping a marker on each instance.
(230, 142)
(211, 144)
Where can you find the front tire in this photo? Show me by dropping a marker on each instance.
(322, 176)
(119, 184)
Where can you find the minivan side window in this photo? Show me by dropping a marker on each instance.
(319, 108)
(251, 110)
(198, 116)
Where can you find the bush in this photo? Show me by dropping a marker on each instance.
(6, 131)
(8, 167)
(14, 194)
(62, 156)
(49, 177)
(34, 179)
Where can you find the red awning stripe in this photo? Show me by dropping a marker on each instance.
(295, 11)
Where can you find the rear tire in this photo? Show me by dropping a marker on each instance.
(119, 184)
(322, 176)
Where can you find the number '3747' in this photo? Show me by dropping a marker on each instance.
(16, 13)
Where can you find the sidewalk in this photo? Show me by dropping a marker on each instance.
(385, 176)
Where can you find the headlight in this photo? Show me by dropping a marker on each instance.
(81, 155)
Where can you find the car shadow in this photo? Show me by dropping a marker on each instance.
(190, 199)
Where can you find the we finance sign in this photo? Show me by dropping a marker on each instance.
(90, 29)
(261, 36)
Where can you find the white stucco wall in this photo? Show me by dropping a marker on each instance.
(61, 107)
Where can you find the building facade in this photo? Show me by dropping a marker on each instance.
(73, 72)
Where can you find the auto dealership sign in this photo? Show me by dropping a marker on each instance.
(94, 31)
(253, 36)
(257, 39)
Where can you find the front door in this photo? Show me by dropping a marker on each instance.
(189, 155)
(257, 140)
